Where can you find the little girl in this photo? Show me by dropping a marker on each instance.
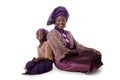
(43, 63)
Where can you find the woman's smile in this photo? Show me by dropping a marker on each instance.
(60, 22)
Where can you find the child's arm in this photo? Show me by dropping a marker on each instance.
(48, 51)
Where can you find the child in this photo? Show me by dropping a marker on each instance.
(43, 63)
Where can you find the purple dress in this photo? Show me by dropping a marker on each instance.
(85, 62)
(61, 42)
(43, 65)
(38, 67)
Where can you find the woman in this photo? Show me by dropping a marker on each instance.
(43, 63)
(69, 55)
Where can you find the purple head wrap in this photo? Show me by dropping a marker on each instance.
(58, 11)
(44, 31)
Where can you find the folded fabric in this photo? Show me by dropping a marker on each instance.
(38, 67)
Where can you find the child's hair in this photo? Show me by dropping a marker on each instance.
(44, 31)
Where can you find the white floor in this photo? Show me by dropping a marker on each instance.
(93, 23)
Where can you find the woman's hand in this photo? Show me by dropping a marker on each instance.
(71, 52)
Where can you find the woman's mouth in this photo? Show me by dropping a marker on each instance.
(61, 25)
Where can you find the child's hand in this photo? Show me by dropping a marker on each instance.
(35, 59)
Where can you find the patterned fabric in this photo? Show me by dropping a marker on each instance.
(58, 43)
(45, 51)
(63, 33)
(60, 10)
(86, 61)
(66, 39)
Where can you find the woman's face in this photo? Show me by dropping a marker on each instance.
(60, 22)
(40, 35)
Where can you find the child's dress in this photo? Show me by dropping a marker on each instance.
(43, 65)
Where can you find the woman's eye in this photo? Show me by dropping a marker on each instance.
(60, 21)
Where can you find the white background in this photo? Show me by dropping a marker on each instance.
(93, 23)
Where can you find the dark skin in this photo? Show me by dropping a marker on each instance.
(60, 22)
(40, 37)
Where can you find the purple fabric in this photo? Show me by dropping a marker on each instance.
(62, 31)
(44, 31)
(39, 67)
(58, 11)
(86, 62)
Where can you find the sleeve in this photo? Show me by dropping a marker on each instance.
(78, 45)
(48, 51)
(58, 48)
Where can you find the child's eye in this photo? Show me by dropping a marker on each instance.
(41, 35)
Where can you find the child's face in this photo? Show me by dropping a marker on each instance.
(40, 35)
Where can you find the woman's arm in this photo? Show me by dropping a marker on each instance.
(80, 48)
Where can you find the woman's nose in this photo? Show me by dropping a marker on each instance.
(62, 22)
